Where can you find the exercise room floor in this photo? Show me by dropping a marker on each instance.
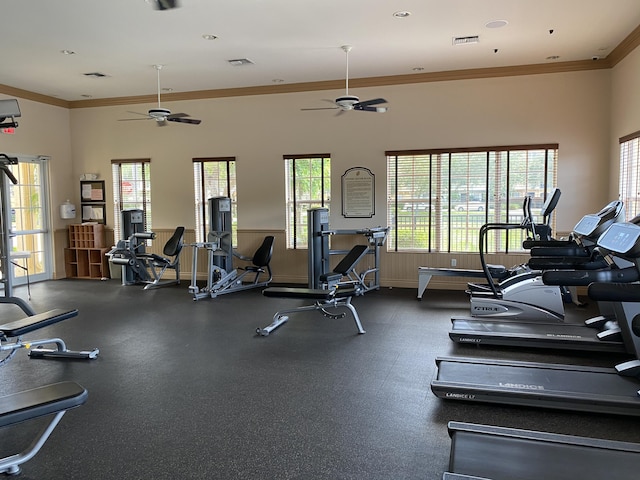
(187, 390)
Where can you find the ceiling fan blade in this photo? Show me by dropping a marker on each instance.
(321, 108)
(192, 121)
(131, 119)
(367, 103)
(369, 109)
(165, 4)
(177, 115)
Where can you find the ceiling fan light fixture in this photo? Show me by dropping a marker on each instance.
(347, 101)
(401, 14)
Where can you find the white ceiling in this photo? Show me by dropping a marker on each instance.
(291, 40)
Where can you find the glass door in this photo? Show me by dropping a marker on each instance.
(30, 233)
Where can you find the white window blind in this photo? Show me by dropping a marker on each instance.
(439, 199)
(308, 185)
(630, 174)
(214, 177)
(131, 189)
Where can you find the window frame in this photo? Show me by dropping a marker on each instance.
(295, 227)
(230, 190)
(144, 205)
(435, 188)
(629, 174)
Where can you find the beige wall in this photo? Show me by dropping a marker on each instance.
(571, 109)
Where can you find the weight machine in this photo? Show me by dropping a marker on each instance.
(12, 331)
(139, 266)
(222, 277)
(319, 252)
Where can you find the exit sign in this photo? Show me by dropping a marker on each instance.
(9, 130)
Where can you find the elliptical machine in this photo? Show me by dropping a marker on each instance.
(528, 297)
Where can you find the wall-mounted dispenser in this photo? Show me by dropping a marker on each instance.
(67, 210)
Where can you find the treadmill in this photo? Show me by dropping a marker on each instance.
(566, 387)
(531, 455)
(597, 335)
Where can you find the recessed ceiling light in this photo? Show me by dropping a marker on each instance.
(84, 95)
(553, 57)
(496, 24)
(401, 14)
(418, 69)
(67, 52)
(167, 89)
(207, 36)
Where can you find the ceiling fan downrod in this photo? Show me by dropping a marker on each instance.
(347, 49)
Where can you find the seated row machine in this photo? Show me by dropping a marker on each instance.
(335, 294)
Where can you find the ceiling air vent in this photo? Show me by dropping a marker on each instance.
(239, 62)
(466, 40)
(95, 75)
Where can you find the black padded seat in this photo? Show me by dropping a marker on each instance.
(40, 401)
(50, 400)
(21, 326)
(308, 293)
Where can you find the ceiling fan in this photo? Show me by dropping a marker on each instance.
(348, 102)
(163, 115)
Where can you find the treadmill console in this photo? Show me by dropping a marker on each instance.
(622, 238)
(587, 225)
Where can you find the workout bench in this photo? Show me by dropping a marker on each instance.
(17, 328)
(336, 294)
(54, 399)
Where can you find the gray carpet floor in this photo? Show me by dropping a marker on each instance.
(187, 390)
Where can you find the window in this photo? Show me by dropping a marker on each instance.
(131, 189)
(630, 174)
(439, 199)
(308, 185)
(214, 177)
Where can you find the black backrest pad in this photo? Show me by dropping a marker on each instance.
(21, 326)
(174, 244)
(262, 257)
(351, 259)
(551, 202)
(36, 402)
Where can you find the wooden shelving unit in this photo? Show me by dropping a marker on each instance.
(85, 257)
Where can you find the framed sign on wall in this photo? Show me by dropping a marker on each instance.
(358, 193)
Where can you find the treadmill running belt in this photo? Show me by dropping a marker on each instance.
(565, 387)
(529, 455)
(534, 335)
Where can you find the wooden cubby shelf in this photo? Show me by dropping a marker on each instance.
(86, 255)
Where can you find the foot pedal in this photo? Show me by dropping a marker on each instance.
(51, 353)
